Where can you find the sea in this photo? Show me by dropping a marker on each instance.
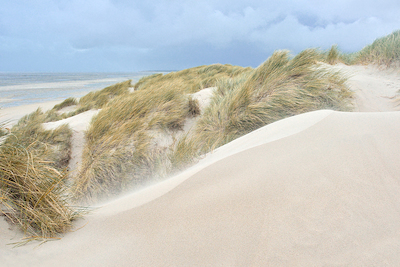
(18, 89)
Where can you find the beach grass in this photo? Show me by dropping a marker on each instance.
(30, 132)
(66, 103)
(123, 136)
(279, 88)
(383, 51)
(98, 99)
(92, 100)
(121, 147)
(33, 193)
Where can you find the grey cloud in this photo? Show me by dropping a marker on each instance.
(205, 31)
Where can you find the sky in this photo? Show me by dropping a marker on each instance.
(133, 35)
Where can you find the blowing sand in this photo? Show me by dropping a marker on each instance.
(321, 188)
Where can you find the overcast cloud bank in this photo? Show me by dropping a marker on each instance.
(123, 35)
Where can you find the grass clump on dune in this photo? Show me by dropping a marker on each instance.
(30, 132)
(334, 56)
(66, 103)
(92, 100)
(278, 88)
(383, 51)
(121, 146)
(124, 135)
(32, 171)
(32, 194)
(99, 99)
(191, 80)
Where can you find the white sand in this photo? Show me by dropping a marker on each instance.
(13, 114)
(316, 189)
(78, 125)
(374, 87)
(203, 97)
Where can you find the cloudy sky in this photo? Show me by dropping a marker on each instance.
(134, 35)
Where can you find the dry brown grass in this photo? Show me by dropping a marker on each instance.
(121, 148)
(33, 164)
(383, 51)
(278, 88)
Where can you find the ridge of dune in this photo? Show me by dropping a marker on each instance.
(325, 195)
(269, 133)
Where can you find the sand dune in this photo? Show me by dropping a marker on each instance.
(321, 188)
(374, 87)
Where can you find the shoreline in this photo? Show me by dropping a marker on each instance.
(10, 116)
(41, 87)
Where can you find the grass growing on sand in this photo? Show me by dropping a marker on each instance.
(92, 100)
(122, 147)
(30, 132)
(278, 88)
(98, 99)
(334, 56)
(32, 172)
(66, 103)
(121, 143)
(33, 168)
(383, 51)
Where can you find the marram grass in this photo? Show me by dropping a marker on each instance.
(278, 88)
(32, 189)
(383, 51)
(121, 149)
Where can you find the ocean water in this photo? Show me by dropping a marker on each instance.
(27, 88)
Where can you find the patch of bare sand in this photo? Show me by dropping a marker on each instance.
(13, 114)
(374, 87)
(78, 124)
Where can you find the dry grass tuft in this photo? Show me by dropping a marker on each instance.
(29, 132)
(121, 149)
(32, 172)
(333, 55)
(194, 107)
(279, 88)
(100, 98)
(383, 51)
(66, 103)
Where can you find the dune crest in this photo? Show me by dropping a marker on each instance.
(325, 195)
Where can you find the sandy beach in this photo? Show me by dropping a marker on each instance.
(317, 189)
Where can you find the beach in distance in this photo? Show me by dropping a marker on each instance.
(44, 90)
(18, 89)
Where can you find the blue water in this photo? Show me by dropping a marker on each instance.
(27, 88)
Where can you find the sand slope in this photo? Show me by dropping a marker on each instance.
(321, 188)
(373, 86)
